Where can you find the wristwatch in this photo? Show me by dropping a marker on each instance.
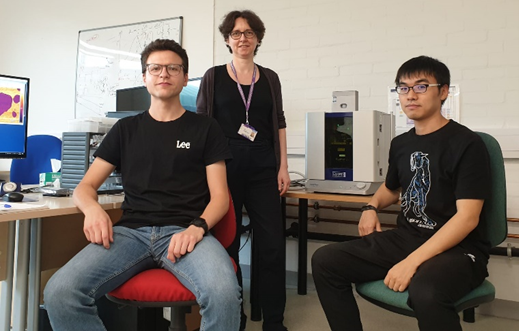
(368, 207)
(201, 223)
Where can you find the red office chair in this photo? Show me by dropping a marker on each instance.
(160, 288)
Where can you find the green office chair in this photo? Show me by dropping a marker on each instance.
(496, 228)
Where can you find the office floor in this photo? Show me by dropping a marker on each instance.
(304, 313)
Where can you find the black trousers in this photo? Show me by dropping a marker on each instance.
(436, 286)
(252, 178)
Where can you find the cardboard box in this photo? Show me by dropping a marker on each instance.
(48, 178)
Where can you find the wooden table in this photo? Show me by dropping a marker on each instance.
(303, 197)
(40, 245)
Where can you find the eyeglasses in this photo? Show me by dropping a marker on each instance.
(249, 34)
(156, 69)
(419, 88)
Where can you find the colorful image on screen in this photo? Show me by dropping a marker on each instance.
(14, 101)
(11, 105)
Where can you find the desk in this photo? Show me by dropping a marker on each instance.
(303, 197)
(28, 240)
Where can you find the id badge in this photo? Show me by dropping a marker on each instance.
(247, 131)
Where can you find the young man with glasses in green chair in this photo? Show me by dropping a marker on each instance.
(174, 176)
(440, 171)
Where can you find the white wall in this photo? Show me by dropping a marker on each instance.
(315, 46)
(321, 46)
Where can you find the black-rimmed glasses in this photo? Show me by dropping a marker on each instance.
(156, 69)
(418, 88)
(249, 34)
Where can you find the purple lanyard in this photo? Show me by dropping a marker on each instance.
(248, 101)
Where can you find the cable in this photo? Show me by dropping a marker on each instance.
(298, 182)
(297, 173)
(248, 237)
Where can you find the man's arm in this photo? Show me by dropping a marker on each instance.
(383, 198)
(185, 241)
(97, 225)
(283, 177)
(452, 233)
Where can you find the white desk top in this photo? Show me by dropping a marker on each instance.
(56, 206)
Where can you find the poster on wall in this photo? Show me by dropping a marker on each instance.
(450, 108)
(108, 59)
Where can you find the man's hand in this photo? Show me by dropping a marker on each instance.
(98, 227)
(283, 181)
(184, 242)
(399, 277)
(368, 223)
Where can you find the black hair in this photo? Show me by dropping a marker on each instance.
(425, 65)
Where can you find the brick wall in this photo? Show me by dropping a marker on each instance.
(321, 46)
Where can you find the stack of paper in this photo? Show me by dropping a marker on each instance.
(20, 206)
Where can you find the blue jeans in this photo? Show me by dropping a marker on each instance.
(207, 271)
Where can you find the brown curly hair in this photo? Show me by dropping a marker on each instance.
(254, 21)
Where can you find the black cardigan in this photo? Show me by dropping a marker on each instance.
(205, 103)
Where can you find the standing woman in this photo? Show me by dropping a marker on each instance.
(245, 98)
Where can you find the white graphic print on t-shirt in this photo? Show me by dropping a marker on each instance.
(415, 197)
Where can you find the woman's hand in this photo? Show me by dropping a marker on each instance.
(283, 181)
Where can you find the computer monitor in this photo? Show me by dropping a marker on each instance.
(14, 107)
(132, 99)
(137, 99)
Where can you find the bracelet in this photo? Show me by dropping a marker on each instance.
(368, 207)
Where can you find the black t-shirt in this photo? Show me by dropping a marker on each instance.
(434, 171)
(229, 109)
(163, 166)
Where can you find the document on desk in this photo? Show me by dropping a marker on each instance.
(6, 207)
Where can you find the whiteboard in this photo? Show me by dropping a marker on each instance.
(108, 59)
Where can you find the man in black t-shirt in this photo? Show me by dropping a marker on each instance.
(437, 252)
(174, 177)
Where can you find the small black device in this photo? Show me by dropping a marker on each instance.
(201, 223)
(13, 197)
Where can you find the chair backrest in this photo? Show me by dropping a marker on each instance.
(494, 209)
(225, 230)
(40, 150)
